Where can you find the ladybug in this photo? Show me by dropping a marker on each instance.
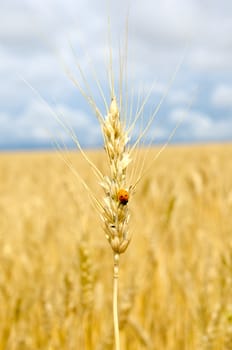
(123, 196)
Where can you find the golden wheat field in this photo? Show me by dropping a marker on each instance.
(175, 287)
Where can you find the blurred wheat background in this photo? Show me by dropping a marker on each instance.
(56, 266)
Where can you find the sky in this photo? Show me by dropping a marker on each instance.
(179, 53)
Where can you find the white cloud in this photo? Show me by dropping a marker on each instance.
(222, 96)
(199, 126)
(210, 59)
(39, 124)
(179, 97)
(196, 121)
(34, 36)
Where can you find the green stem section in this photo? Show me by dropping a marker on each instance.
(115, 302)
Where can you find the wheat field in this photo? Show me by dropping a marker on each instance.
(56, 265)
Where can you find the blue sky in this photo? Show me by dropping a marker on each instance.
(38, 40)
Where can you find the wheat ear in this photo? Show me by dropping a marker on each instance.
(115, 214)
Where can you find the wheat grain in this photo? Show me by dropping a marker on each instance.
(115, 214)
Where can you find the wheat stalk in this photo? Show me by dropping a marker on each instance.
(115, 214)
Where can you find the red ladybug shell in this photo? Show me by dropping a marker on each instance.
(123, 196)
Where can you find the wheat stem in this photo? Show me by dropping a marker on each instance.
(115, 302)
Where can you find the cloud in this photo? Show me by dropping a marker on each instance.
(210, 59)
(222, 96)
(40, 125)
(199, 126)
(179, 97)
(34, 43)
